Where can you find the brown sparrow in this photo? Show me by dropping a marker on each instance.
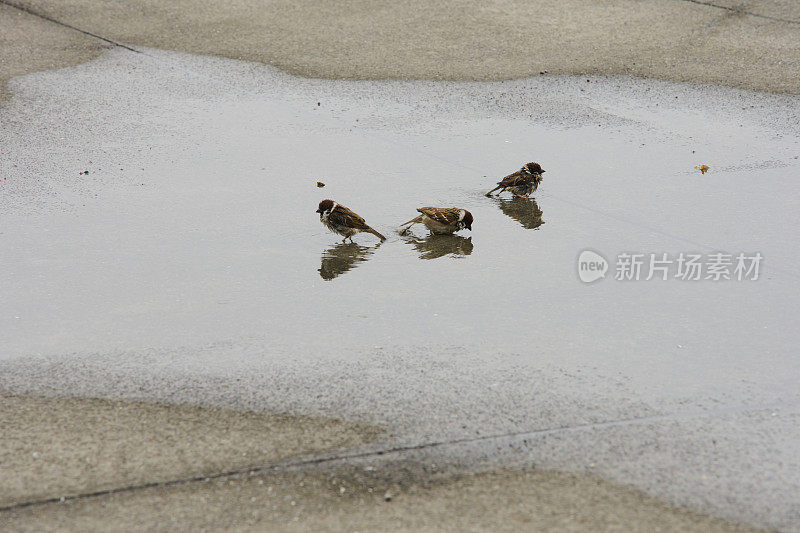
(341, 220)
(522, 182)
(442, 220)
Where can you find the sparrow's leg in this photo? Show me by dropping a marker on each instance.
(490, 192)
(515, 193)
(412, 221)
(409, 224)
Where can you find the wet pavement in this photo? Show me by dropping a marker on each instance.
(189, 265)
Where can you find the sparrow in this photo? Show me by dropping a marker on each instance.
(442, 220)
(341, 220)
(522, 182)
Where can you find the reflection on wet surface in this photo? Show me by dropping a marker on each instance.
(524, 210)
(342, 257)
(435, 246)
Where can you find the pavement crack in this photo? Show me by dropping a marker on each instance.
(740, 11)
(332, 458)
(64, 24)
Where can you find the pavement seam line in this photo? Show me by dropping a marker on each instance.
(64, 24)
(324, 459)
(741, 11)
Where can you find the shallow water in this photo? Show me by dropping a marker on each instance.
(196, 221)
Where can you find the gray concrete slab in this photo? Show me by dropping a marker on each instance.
(29, 43)
(58, 447)
(158, 282)
(181, 268)
(353, 499)
(753, 46)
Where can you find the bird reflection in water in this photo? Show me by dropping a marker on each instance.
(434, 246)
(524, 210)
(343, 257)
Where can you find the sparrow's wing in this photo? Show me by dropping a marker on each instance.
(342, 216)
(442, 215)
(513, 179)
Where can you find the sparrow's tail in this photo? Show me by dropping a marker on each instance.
(378, 235)
(490, 192)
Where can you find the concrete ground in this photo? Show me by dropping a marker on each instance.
(751, 45)
(115, 456)
(51, 446)
(397, 496)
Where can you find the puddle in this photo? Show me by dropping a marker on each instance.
(196, 221)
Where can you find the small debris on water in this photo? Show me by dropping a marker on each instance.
(702, 168)
(387, 497)
(320, 184)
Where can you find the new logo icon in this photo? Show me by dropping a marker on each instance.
(591, 266)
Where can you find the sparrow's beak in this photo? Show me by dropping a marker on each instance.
(543, 171)
(319, 211)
